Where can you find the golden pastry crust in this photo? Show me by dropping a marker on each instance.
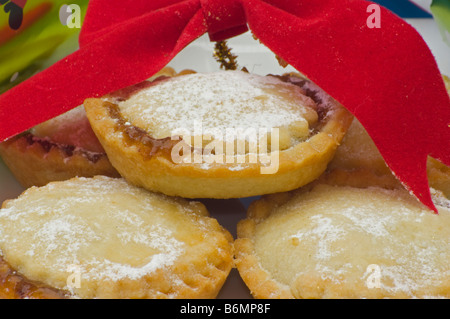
(329, 240)
(358, 152)
(439, 176)
(137, 244)
(59, 149)
(148, 161)
(447, 83)
(35, 161)
(15, 286)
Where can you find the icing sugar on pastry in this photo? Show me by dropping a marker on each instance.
(218, 101)
(67, 238)
(110, 231)
(321, 243)
(241, 134)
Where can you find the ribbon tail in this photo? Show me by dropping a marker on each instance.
(139, 46)
(384, 75)
(441, 152)
(413, 169)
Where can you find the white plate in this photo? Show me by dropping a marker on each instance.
(257, 59)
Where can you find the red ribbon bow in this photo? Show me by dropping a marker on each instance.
(387, 77)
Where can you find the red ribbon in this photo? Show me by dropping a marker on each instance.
(20, 3)
(387, 77)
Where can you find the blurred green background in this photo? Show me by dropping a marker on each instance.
(441, 13)
(42, 39)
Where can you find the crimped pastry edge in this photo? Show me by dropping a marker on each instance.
(298, 165)
(34, 164)
(211, 273)
(258, 279)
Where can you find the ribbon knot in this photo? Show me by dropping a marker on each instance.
(224, 18)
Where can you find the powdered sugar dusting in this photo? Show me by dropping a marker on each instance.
(337, 232)
(220, 100)
(325, 233)
(110, 229)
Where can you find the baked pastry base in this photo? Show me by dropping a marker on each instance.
(358, 152)
(36, 161)
(147, 162)
(16, 286)
(329, 247)
(125, 258)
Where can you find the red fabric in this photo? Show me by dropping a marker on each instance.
(386, 77)
(20, 3)
(224, 18)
